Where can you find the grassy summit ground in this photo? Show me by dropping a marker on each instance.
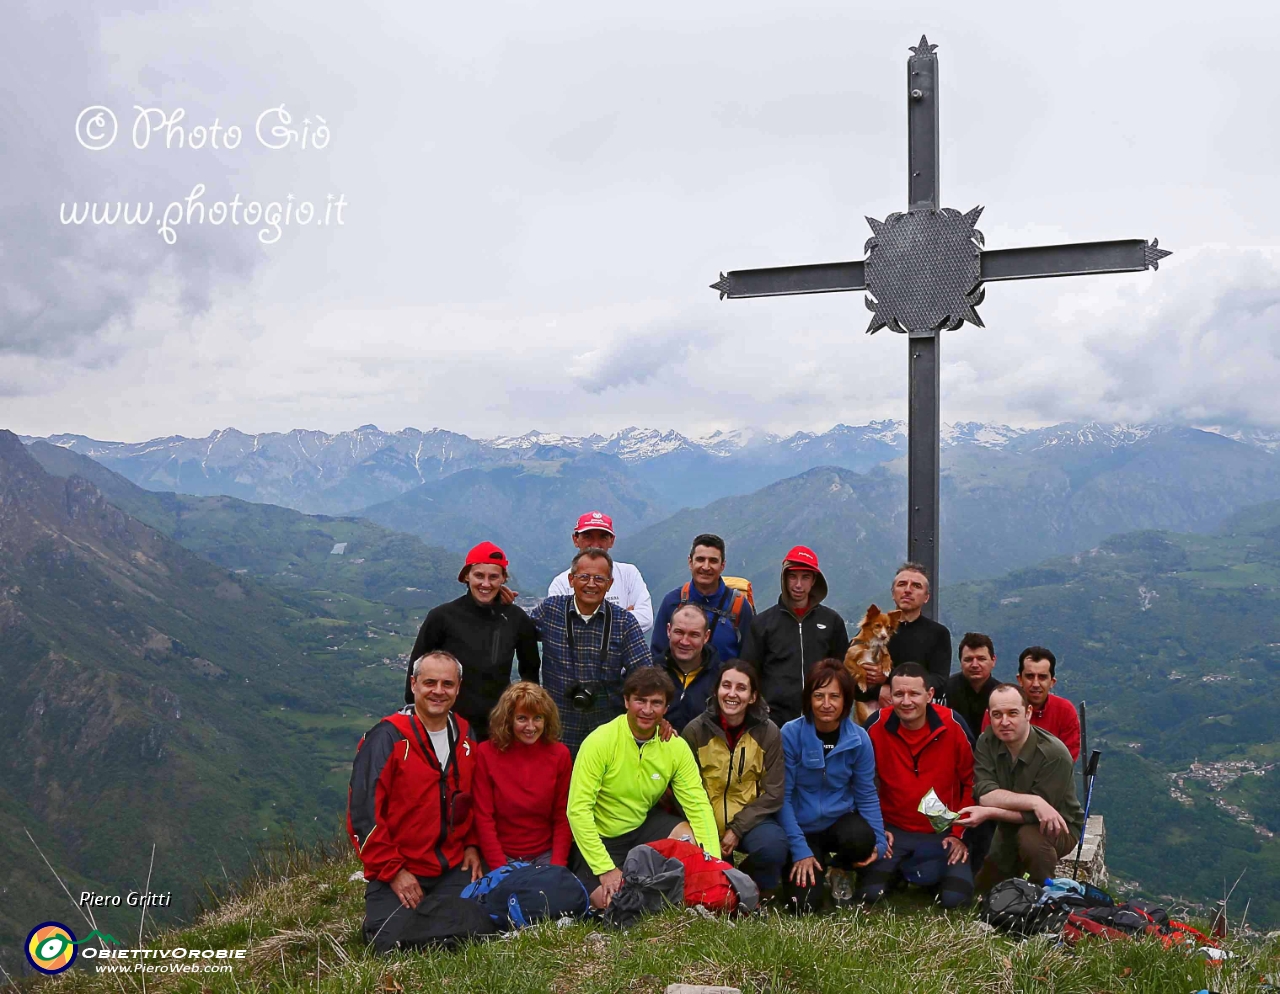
(300, 925)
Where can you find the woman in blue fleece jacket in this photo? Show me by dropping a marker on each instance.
(830, 810)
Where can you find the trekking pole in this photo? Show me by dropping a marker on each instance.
(1084, 743)
(1090, 773)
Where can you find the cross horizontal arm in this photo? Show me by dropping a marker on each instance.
(822, 277)
(1131, 255)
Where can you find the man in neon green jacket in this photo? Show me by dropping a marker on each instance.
(622, 769)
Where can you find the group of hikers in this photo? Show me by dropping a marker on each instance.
(731, 728)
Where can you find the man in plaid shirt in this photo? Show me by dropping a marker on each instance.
(582, 674)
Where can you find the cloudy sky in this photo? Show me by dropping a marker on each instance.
(537, 196)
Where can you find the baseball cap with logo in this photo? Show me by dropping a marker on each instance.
(485, 552)
(594, 521)
(801, 557)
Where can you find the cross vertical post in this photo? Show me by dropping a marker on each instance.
(925, 271)
(923, 361)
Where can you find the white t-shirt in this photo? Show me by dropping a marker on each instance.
(628, 589)
(440, 743)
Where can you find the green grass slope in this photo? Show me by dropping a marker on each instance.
(301, 932)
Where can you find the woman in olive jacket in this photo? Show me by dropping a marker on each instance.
(739, 753)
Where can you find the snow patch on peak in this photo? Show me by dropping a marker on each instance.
(533, 439)
(976, 433)
(726, 443)
(1088, 435)
(638, 444)
(1263, 438)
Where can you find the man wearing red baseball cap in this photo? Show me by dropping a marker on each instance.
(595, 531)
(483, 634)
(786, 640)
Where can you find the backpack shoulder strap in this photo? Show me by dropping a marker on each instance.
(739, 598)
(684, 594)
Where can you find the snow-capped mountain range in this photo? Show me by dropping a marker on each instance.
(346, 471)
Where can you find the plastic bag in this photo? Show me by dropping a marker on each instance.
(940, 816)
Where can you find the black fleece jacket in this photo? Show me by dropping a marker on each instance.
(784, 648)
(484, 638)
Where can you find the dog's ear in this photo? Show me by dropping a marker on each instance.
(873, 612)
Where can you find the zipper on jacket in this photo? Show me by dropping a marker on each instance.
(728, 782)
(800, 625)
(433, 761)
(915, 758)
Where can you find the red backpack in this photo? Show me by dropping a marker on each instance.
(705, 882)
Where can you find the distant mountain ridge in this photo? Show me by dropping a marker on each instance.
(318, 472)
(1003, 507)
(275, 544)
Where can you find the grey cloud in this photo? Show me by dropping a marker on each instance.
(581, 142)
(632, 356)
(63, 285)
(515, 161)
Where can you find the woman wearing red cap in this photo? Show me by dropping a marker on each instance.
(484, 634)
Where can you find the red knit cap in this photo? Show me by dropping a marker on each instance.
(485, 552)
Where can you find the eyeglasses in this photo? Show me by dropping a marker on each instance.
(591, 579)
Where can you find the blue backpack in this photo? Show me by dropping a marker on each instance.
(519, 894)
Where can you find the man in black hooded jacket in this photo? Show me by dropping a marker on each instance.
(785, 641)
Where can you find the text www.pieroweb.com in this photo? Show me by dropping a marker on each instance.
(164, 967)
(269, 218)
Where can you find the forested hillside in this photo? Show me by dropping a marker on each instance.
(1174, 642)
(153, 696)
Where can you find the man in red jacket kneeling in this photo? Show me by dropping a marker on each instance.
(919, 745)
(409, 803)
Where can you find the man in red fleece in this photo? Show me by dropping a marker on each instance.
(919, 745)
(1037, 675)
(409, 803)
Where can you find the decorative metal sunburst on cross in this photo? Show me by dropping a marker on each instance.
(923, 273)
(923, 270)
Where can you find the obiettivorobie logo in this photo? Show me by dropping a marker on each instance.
(51, 946)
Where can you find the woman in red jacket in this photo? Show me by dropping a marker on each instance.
(521, 784)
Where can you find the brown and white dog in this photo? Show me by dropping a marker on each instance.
(869, 650)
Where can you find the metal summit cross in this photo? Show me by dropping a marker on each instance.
(924, 272)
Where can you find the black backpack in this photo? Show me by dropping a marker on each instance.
(528, 894)
(1152, 910)
(1015, 906)
(436, 923)
(1131, 917)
